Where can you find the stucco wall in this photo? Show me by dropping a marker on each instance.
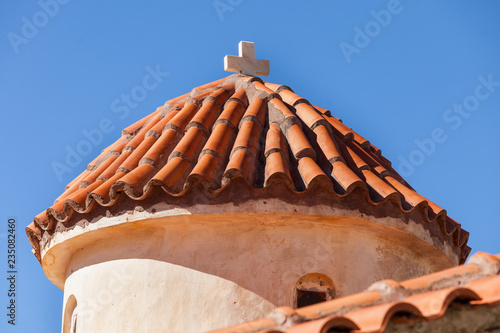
(195, 273)
(146, 295)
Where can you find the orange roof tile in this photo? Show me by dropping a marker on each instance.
(426, 299)
(241, 130)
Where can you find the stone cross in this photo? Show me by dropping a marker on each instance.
(246, 62)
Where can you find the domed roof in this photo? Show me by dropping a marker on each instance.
(236, 139)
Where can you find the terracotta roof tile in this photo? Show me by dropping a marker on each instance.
(327, 144)
(376, 318)
(260, 133)
(263, 325)
(325, 112)
(434, 304)
(160, 147)
(426, 298)
(379, 190)
(342, 305)
(114, 166)
(204, 171)
(136, 176)
(97, 172)
(488, 289)
(340, 129)
(299, 144)
(344, 176)
(325, 325)
(101, 192)
(276, 155)
(440, 279)
(171, 172)
(309, 170)
(308, 115)
(182, 118)
(239, 166)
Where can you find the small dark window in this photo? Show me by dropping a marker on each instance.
(313, 288)
(305, 298)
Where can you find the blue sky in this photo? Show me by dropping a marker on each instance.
(420, 79)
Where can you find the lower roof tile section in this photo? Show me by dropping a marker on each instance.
(241, 128)
(427, 299)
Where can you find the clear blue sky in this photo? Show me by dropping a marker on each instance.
(394, 76)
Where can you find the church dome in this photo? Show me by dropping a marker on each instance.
(239, 140)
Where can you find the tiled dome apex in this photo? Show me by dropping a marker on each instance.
(240, 139)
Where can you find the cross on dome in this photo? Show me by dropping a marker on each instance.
(246, 63)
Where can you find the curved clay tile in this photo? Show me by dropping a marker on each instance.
(325, 325)
(258, 135)
(375, 318)
(434, 304)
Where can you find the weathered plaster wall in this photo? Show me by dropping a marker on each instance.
(199, 272)
(146, 295)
